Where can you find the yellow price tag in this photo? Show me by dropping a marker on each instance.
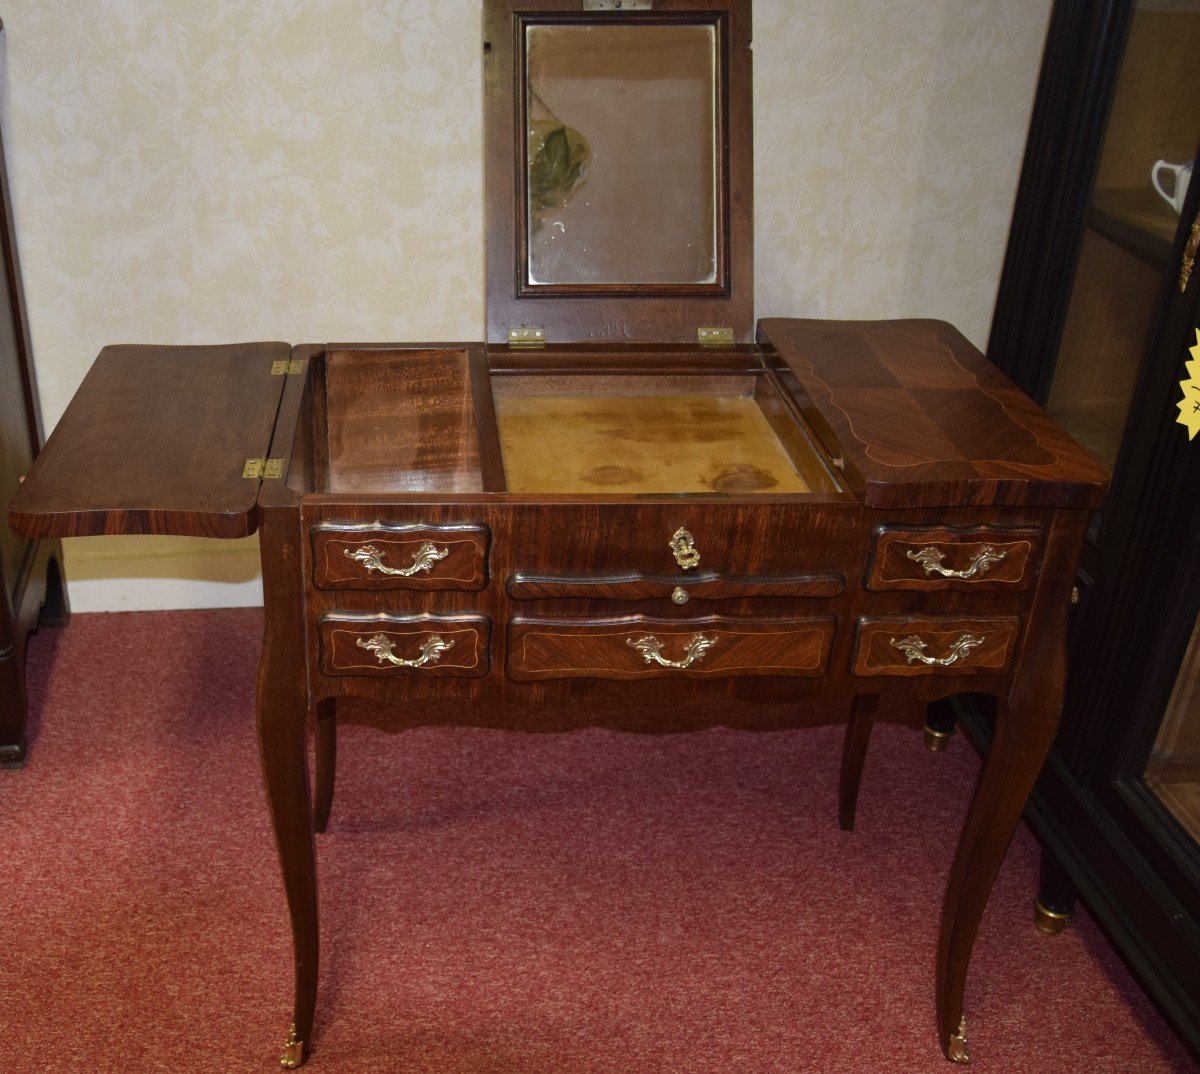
(1189, 406)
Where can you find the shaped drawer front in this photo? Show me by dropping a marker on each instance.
(904, 645)
(947, 558)
(400, 557)
(639, 647)
(453, 646)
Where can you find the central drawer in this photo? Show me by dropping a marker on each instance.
(639, 647)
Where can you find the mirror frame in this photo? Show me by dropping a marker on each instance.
(615, 313)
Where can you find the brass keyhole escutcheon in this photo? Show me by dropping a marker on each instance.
(683, 544)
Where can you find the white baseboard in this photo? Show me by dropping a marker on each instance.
(127, 574)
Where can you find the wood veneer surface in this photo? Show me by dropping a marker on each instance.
(922, 419)
(155, 441)
(401, 420)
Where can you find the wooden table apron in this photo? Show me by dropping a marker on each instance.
(836, 536)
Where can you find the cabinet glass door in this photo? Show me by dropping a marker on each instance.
(1133, 215)
(1174, 769)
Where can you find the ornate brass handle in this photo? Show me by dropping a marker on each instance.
(1189, 255)
(423, 559)
(931, 559)
(914, 648)
(651, 649)
(383, 647)
(683, 544)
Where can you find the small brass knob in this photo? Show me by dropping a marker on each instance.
(680, 596)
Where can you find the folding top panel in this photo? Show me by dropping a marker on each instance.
(158, 440)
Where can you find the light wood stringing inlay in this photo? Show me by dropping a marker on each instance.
(341, 654)
(562, 650)
(876, 655)
(891, 568)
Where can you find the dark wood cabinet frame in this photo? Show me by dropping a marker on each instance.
(1106, 836)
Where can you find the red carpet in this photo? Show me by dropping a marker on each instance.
(500, 903)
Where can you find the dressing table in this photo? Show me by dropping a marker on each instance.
(630, 495)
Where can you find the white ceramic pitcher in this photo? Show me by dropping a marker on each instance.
(1183, 176)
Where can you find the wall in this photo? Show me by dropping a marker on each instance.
(197, 171)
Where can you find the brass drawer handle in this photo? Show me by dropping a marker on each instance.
(383, 647)
(651, 649)
(931, 559)
(914, 648)
(683, 544)
(423, 559)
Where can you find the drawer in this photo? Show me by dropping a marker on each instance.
(810, 547)
(400, 557)
(640, 587)
(454, 646)
(639, 647)
(903, 645)
(949, 558)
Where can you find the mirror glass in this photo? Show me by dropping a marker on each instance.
(621, 133)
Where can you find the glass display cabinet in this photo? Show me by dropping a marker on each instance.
(1097, 316)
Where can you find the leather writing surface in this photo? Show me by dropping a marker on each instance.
(155, 441)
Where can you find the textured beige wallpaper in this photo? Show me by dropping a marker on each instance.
(196, 171)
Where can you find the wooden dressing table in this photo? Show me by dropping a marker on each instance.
(627, 496)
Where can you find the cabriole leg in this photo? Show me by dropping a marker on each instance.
(854, 756)
(1025, 727)
(326, 742)
(56, 610)
(283, 749)
(282, 742)
(940, 723)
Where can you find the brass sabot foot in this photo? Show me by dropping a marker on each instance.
(1051, 922)
(936, 741)
(956, 1048)
(293, 1051)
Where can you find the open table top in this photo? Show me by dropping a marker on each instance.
(908, 412)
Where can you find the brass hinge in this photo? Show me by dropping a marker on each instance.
(526, 337)
(284, 367)
(266, 469)
(618, 5)
(715, 337)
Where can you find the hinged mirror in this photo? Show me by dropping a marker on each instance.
(619, 170)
